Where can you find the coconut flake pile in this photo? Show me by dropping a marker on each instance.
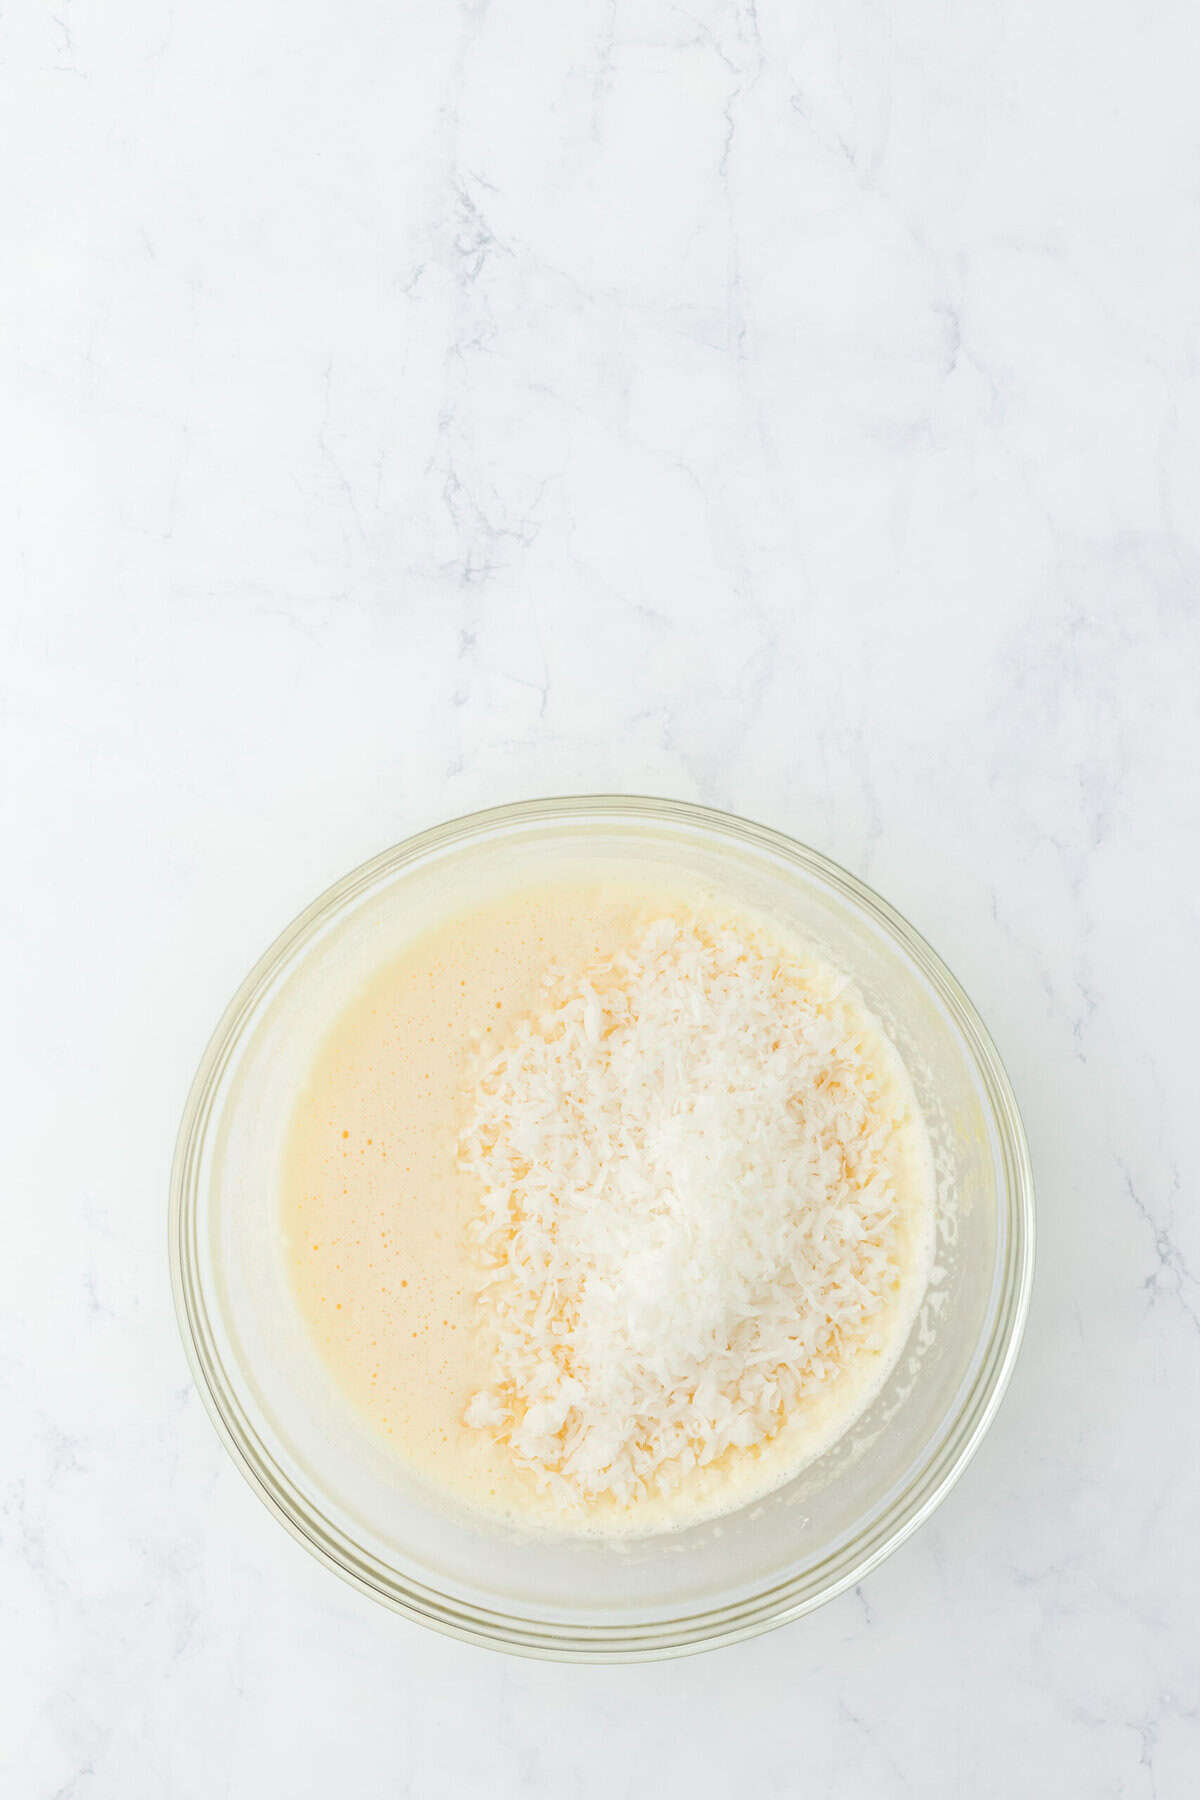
(688, 1220)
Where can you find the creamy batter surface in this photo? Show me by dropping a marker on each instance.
(377, 1208)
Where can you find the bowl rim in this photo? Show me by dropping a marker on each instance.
(851, 1559)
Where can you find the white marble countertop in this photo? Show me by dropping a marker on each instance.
(792, 407)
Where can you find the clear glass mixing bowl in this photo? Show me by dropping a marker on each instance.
(323, 1471)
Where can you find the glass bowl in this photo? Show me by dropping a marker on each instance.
(324, 1472)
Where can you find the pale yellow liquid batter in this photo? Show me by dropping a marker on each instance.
(375, 1209)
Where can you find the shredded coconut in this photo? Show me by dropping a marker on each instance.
(688, 1221)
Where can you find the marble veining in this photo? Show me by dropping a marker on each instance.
(790, 407)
